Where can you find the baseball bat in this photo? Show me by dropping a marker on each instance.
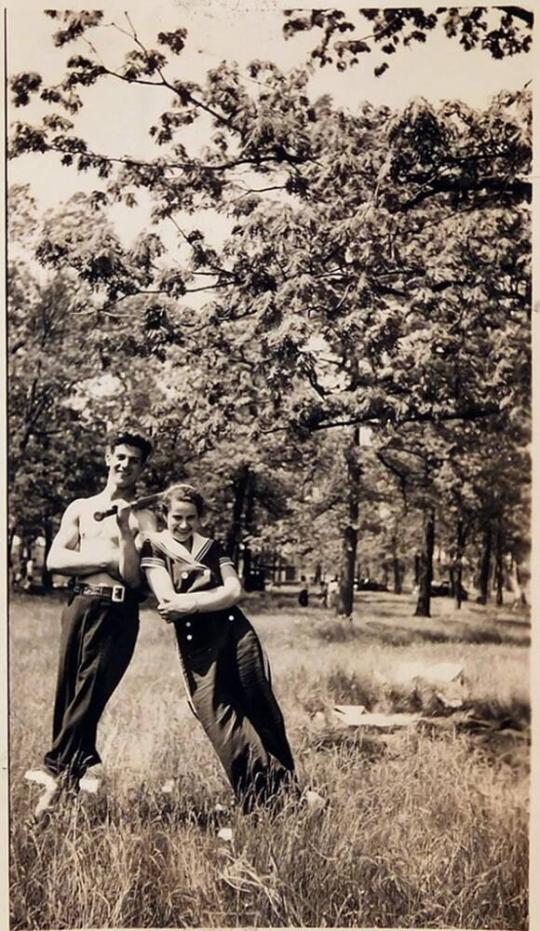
(136, 505)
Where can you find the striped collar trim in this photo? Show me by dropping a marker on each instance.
(165, 542)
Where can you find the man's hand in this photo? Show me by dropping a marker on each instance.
(174, 609)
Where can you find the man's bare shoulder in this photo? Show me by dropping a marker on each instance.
(80, 506)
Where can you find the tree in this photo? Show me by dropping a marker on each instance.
(331, 311)
(500, 30)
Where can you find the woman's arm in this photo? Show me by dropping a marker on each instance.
(224, 596)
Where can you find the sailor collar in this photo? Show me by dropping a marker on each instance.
(165, 541)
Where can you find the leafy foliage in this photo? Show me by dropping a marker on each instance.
(501, 31)
(375, 271)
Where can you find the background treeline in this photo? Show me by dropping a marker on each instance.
(345, 370)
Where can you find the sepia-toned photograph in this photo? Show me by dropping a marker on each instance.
(269, 405)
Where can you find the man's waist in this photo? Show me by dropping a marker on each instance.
(108, 591)
(98, 578)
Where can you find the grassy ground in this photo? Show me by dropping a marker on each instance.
(427, 828)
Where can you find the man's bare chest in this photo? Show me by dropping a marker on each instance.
(105, 531)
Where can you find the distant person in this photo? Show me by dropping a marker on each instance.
(225, 670)
(323, 593)
(28, 574)
(100, 622)
(303, 594)
(16, 559)
(333, 592)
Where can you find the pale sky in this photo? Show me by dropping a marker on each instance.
(117, 116)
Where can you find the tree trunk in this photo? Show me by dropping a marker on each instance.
(248, 526)
(426, 567)
(246, 568)
(11, 534)
(485, 566)
(396, 568)
(240, 484)
(499, 568)
(350, 535)
(48, 533)
(457, 574)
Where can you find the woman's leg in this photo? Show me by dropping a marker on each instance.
(231, 694)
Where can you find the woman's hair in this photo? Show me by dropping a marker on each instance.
(186, 493)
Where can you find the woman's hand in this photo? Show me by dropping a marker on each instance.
(176, 607)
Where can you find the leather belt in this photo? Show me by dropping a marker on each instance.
(114, 593)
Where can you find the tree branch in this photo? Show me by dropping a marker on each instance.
(525, 15)
(522, 189)
(470, 413)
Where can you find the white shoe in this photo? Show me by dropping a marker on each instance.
(41, 777)
(89, 784)
(313, 801)
(225, 834)
(51, 793)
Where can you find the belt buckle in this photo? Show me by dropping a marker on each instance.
(117, 593)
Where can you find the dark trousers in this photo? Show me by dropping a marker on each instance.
(231, 693)
(97, 643)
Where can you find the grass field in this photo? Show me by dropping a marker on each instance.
(427, 828)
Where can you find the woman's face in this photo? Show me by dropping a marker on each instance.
(182, 520)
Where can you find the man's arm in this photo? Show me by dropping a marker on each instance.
(146, 523)
(131, 539)
(130, 542)
(64, 555)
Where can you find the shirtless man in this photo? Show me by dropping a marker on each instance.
(100, 622)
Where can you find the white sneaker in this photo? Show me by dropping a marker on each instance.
(313, 801)
(41, 777)
(89, 784)
(51, 793)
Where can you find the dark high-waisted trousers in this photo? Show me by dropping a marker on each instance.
(97, 642)
(228, 681)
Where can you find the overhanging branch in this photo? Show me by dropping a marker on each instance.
(467, 413)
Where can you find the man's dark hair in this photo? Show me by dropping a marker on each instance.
(130, 439)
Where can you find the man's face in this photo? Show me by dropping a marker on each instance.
(125, 465)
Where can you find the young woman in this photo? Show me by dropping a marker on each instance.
(225, 670)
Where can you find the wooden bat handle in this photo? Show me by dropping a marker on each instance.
(101, 515)
(144, 502)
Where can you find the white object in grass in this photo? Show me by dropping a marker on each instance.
(357, 716)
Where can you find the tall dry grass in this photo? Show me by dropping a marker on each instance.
(427, 828)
